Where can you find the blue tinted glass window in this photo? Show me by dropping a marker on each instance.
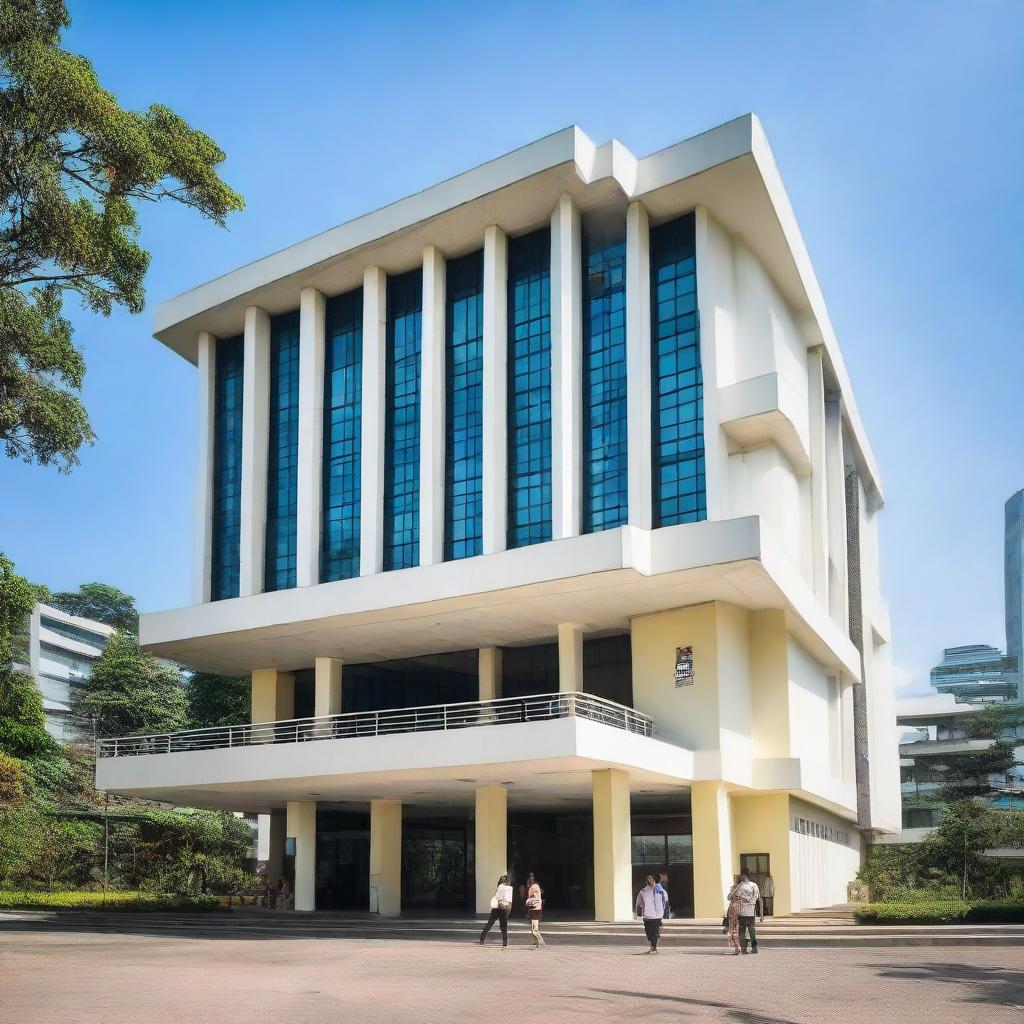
(229, 360)
(677, 406)
(605, 481)
(343, 389)
(529, 389)
(402, 421)
(464, 398)
(282, 454)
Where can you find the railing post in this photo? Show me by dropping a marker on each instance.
(444, 717)
(168, 743)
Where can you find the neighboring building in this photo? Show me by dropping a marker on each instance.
(538, 507)
(978, 673)
(62, 649)
(930, 731)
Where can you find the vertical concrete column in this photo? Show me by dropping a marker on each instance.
(273, 696)
(206, 364)
(713, 859)
(489, 673)
(835, 498)
(819, 487)
(432, 409)
(386, 856)
(638, 364)
(570, 658)
(495, 453)
(255, 426)
(566, 368)
(491, 823)
(613, 860)
(302, 828)
(277, 833)
(312, 327)
(327, 687)
(371, 526)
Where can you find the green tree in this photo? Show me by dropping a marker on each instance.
(74, 166)
(218, 700)
(101, 602)
(971, 773)
(129, 692)
(957, 846)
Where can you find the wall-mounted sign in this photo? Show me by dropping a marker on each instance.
(684, 666)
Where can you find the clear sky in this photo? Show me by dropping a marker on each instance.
(898, 128)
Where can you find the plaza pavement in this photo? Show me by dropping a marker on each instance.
(56, 976)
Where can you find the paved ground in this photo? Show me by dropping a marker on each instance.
(61, 977)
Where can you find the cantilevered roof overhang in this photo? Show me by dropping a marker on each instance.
(729, 169)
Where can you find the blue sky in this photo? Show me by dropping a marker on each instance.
(897, 128)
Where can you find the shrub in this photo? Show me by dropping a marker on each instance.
(119, 901)
(946, 911)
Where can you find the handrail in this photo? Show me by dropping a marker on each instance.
(427, 718)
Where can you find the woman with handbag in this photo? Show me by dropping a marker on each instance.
(534, 907)
(501, 904)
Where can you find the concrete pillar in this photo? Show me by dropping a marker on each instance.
(432, 409)
(386, 857)
(273, 695)
(278, 831)
(302, 828)
(570, 658)
(312, 327)
(613, 859)
(489, 673)
(566, 368)
(491, 823)
(835, 498)
(819, 490)
(495, 453)
(206, 364)
(327, 687)
(638, 364)
(714, 863)
(255, 426)
(371, 537)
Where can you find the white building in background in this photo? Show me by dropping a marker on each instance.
(62, 649)
(538, 507)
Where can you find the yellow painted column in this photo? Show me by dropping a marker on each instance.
(386, 857)
(714, 862)
(613, 861)
(273, 695)
(491, 823)
(327, 687)
(302, 828)
(570, 658)
(489, 672)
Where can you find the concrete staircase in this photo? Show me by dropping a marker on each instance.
(830, 927)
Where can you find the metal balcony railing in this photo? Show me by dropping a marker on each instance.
(431, 718)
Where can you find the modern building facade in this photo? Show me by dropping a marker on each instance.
(1013, 578)
(538, 507)
(62, 649)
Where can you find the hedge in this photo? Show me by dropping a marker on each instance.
(119, 901)
(942, 912)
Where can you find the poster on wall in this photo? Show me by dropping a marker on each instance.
(684, 666)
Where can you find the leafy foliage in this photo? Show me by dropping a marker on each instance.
(73, 168)
(129, 692)
(969, 774)
(948, 911)
(119, 901)
(100, 602)
(218, 700)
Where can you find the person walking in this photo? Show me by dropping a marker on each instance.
(748, 898)
(650, 905)
(501, 904)
(661, 887)
(534, 908)
(731, 921)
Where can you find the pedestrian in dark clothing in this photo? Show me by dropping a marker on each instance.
(501, 904)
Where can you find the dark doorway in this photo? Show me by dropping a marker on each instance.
(664, 845)
(758, 867)
(559, 850)
(437, 858)
(342, 860)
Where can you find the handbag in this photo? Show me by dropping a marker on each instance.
(494, 903)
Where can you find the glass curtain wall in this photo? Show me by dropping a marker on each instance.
(229, 362)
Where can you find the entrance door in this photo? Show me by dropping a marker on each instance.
(669, 854)
(758, 867)
(435, 865)
(342, 860)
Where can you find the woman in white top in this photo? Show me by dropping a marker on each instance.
(501, 904)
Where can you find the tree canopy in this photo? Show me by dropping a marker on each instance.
(74, 166)
(218, 700)
(99, 601)
(129, 692)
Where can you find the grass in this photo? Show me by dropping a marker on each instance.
(140, 902)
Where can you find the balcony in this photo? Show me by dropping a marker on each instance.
(545, 746)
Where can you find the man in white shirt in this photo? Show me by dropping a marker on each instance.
(747, 896)
(650, 905)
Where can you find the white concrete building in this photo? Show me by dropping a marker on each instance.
(538, 506)
(62, 649)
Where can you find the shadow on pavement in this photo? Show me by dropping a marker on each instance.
(736, 1013)
(994, 985)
